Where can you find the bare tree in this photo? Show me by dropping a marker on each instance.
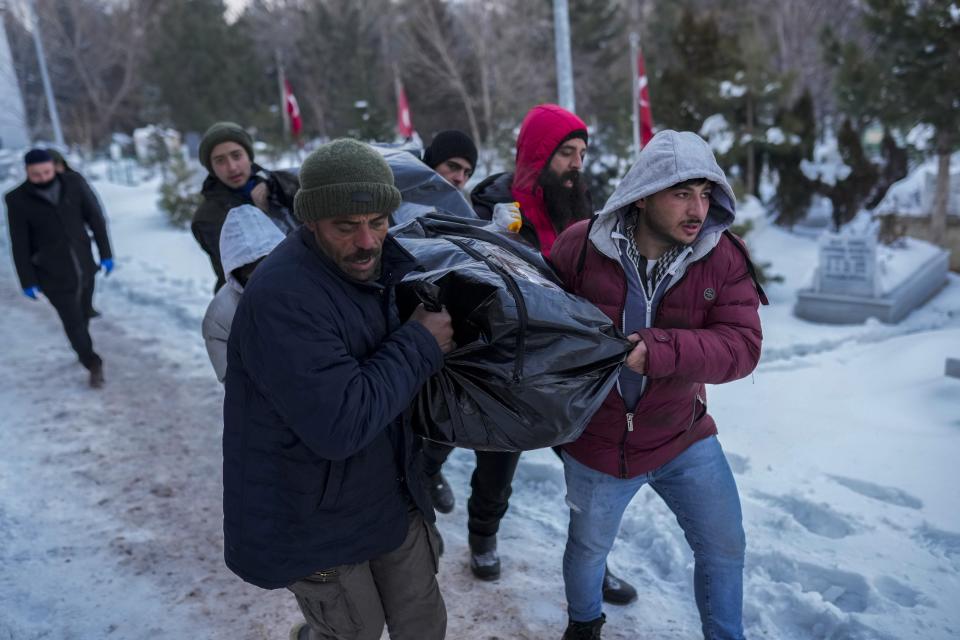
(96, 52)
(429, 34)
(489, 60)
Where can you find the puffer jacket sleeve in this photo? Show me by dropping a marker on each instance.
(94, 218)
(566, 253)
(728, 346)
(216, 333)
(207, 235)
(334, 402)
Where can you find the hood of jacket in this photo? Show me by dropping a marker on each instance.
(247, 235)
(543, 129)
(669, 158)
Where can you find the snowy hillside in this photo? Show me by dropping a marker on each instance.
(844, 443)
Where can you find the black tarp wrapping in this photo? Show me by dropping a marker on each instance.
(532, 363)
(423, 190)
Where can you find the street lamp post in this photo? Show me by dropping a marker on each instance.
(47, 87)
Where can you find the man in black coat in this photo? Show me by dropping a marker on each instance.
(49, 216)
(234, 179)
(321, 472)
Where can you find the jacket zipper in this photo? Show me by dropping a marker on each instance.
(517, 297)
(643, 383)
(693, 418)
(623, 446)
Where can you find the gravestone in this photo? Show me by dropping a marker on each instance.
(848, 265)
(847, 289)
(952, 368)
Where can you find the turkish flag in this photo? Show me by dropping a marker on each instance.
(293, 109)
(404, 121)
(645, 115)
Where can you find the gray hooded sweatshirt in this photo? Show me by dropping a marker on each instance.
(670, 158)
(247, 235)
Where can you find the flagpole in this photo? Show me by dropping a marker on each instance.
(635, 109)
(561, 30)
(283, 96)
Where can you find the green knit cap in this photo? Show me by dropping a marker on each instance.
(344, 177)
(223, 132)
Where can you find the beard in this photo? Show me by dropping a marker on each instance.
(565, 205)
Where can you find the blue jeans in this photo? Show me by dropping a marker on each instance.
(699, 489)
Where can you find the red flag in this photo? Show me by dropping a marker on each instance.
(644, 115)
(293, 109)
(404, 121)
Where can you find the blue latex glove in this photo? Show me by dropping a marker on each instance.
(31, 292)
(107, 265)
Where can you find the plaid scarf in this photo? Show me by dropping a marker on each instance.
(661, 265)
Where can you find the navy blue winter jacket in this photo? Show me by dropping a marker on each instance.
(318, 465)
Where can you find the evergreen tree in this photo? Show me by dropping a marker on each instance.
(917, 53)
(599, 41)
(203, 69)
(709, 72)
(794, 189)
(179, 192)
(849, 194)
(341, 53)
(688, 68)
(894, 167)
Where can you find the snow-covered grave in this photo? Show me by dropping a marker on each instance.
(856, 279)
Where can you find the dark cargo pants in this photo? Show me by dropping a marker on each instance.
(399, 589)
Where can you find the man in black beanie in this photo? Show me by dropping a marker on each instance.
(49, 216)
(453, 155)
(321, 473)
(234, 179)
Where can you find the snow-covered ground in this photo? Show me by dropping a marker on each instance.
(844, 443)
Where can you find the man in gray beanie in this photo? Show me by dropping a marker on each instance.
(234, 179)
(322, 491)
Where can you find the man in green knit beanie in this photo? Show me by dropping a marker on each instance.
(234, 179)
(323, 490)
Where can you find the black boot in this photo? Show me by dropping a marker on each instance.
(584, 630)
(440, 492)
(616, 590)
(96, 375)
(484, 561)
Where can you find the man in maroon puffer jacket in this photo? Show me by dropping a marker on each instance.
(659, 261)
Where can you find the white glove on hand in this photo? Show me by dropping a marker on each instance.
(506, 216)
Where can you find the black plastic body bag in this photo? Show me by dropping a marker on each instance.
(532, 363)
